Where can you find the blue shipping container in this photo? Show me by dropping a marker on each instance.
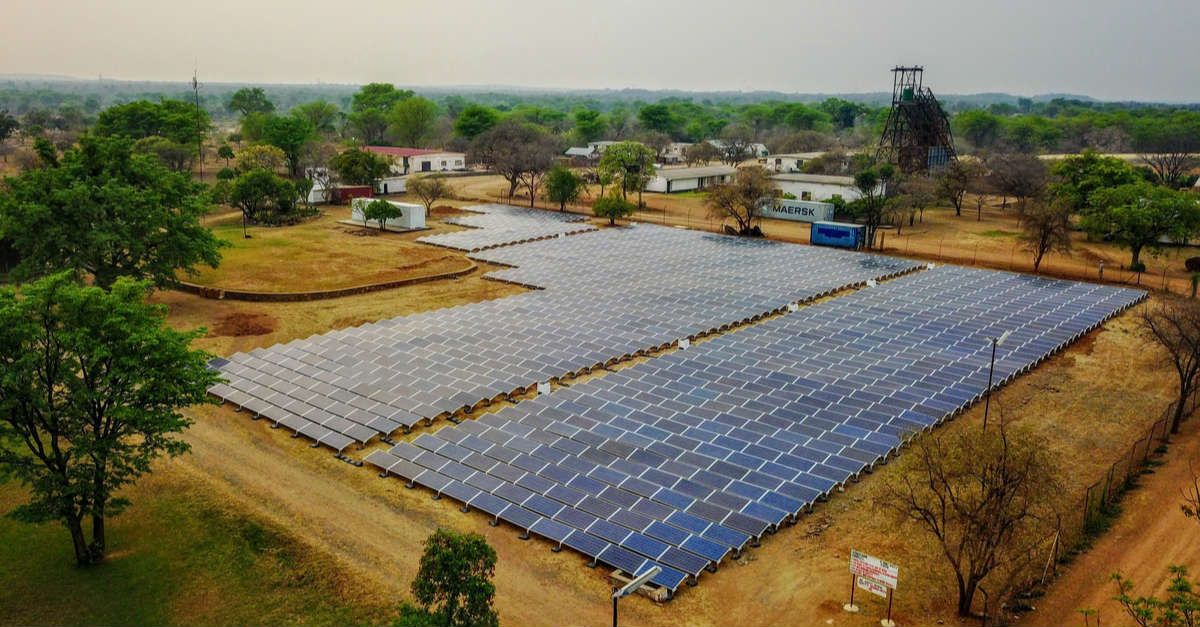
(838, 234)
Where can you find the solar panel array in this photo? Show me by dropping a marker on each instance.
(609, 295)
(681, 460)
(503, 225)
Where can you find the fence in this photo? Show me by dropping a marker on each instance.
(1108, 489)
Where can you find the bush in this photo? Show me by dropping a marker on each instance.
(226, 174)
(1137, 267)
(613, 207)
(1192, 264)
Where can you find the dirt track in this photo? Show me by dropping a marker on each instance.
(1150, 535)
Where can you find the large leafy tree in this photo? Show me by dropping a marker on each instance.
(563, 186)
(322, 115)
(106, 211)
(474, 120)
(258, 191)
(1078, 176)
(369, 110)
(91, 386)
(176, 120)
(411, 120)
(590, 125)
(1138, 216)
(454, 582)
(249, 100)
(359, 167)
(290, 134)
(659, 117)
(871, 207)
(630, 162)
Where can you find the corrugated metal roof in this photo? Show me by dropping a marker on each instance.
(397, 151)
(815, 178)
(674, 174)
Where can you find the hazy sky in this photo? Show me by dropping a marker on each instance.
(1112, 49)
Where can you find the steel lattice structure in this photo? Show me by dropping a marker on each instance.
(917, 136)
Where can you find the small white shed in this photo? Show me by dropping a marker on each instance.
(412, 216)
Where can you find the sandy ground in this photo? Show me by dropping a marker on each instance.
(1150, 535)
(374, 527)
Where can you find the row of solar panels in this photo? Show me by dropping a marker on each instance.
(504, 225)
(353, 384)
(728, 439)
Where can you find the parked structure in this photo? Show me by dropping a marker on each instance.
(669, 180)
(413, 160)
(817, 186)
(412, 217)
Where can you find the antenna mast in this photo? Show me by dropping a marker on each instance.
(199, 120)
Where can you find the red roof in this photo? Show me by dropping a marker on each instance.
(393, 151)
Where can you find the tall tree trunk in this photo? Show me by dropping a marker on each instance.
(98, 548)
(1137, 255)
(83, 556)
(1180, 408)
(966, 596)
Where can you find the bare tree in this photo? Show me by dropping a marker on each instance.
(1046, 228)
(513, 148)
(1169, 166)
(1191, 496)
(744, 198)
(1174, 324)
(737, 144)
(987, 498)
(955, 179)
(430, 188)
(700, 153)
(1018, 175)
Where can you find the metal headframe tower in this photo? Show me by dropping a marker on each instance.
(196, 100)
(917, 135)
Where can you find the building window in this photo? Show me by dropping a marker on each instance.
(805, 195)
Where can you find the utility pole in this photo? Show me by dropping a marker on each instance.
(987, 404)
(199, 121)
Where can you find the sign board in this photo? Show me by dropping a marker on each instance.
(798, 210)
(864, 565)
(872, 586)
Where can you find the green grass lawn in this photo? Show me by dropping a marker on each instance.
(175, 558)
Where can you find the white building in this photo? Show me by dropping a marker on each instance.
(818, 187)
(411, 217)
(600, 146)
(675, 152)
(670, 180)
(414, 160)
(788, 162)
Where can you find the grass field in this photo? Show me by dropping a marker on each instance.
(178, 559)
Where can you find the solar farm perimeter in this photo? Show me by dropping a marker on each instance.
(685, 459)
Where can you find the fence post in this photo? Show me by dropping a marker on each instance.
(1087, 506)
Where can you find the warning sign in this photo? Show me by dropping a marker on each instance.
(875, 569)
(872, 586)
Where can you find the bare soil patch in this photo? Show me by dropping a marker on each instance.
(242, 323)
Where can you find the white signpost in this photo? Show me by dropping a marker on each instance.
(875, 576)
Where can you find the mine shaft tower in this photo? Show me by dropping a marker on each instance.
(917, 135)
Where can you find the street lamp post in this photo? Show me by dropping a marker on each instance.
(632, 587)
(987, 403)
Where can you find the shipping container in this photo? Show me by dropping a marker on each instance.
(838, 234)
(345, 193)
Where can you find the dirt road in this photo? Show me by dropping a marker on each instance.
(1150, 535)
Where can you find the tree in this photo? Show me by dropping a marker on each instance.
(1078, 176)
(700, 153)
(91, 387)
(656, 141)
(518, 151)
(590, 125)
(381, 211)
(744, 198)
(917, 193)
(411, 120)
(226, 153)
(175, 156)
(378, 97)
(563, 186)
(475, 120)
(1174, 325)
(979, 127)
(737, 144)
(987, 498)
(955, 179)
(369, 125)
(318, 113)
(630, 162)
(8, 125)
(257, 191)
(1137, 216)
(659, 117)
(430, 188)
(176, 120)
(1019, 175)
(109, 212)
(359, 167)
(290, 134)
(261, 157)
(871, 206)
(454, 581)
(249, 100)
(1168, 148)
(1046, 228)
(612, 207)
(1191, 498)
(1181, 607)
